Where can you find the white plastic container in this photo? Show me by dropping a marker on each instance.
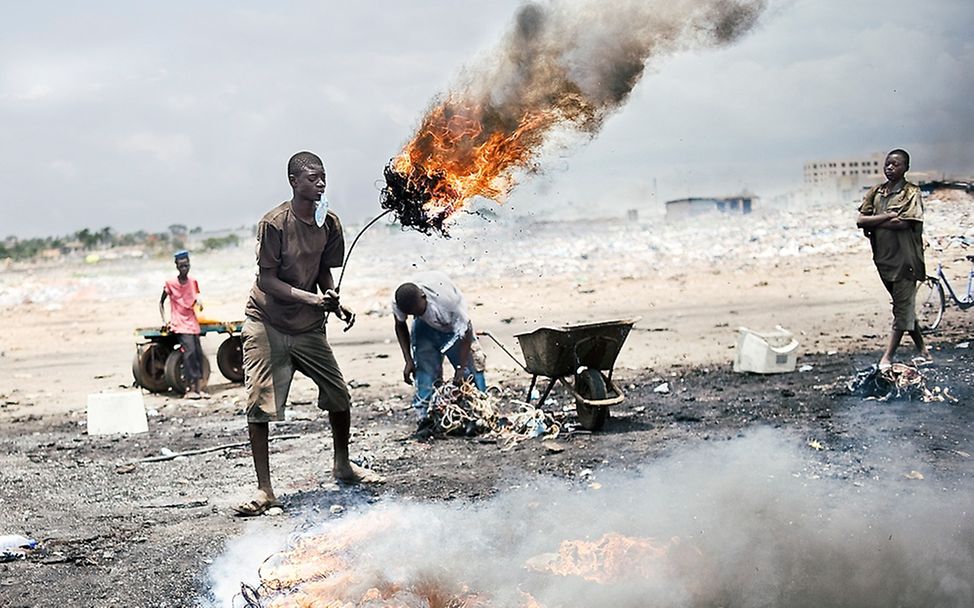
(773, 352)
(118, 412)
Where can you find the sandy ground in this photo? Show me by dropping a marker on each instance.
(147, 535)
(57, 357)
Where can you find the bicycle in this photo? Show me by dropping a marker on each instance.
(931, 301)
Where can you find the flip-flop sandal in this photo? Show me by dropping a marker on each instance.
(371, 478)
(252, 508)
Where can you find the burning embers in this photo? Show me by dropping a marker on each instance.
(564, 66)
(334, 570)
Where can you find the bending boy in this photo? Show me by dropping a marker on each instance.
(441, 327)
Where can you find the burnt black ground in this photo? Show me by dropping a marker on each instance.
(144, 535)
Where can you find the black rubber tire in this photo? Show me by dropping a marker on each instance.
(174, 372)
(229, 358)
(149, 367)
(930, 304)
(590, 384)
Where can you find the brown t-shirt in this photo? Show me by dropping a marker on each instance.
(296, 252)
(898, 254)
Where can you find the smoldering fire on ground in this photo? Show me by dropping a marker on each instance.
(768, 527)
(565, 66)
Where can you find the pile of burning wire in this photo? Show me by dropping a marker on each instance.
(465, 409)
(899, 381)
(335, 568)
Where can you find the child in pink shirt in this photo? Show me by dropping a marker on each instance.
(183, 292)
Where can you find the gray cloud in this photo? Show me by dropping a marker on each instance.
(116, 114)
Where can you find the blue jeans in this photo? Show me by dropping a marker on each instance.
(428, 344)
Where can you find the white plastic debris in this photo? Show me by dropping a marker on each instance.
(118, 412)
(805, 368)
(770, 352)
(662, 388)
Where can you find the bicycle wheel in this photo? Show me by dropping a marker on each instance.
(930, 304)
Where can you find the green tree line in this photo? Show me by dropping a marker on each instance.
(88, 239)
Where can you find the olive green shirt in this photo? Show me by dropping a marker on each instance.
(898, 254)
(296, 251)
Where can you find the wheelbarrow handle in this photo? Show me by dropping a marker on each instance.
(615, 400)
(504, 348)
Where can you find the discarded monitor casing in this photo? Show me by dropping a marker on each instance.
(773, 352)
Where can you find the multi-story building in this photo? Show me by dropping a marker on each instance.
(843, 179)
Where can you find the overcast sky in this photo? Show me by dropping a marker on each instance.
(138, 115)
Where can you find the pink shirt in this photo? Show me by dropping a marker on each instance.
(182, 297)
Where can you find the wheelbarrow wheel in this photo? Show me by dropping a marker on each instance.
(229, 358)
(149, 367)
(591, 385)
(176, 372)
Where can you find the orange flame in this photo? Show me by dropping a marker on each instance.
(611, 558)
(456, 155)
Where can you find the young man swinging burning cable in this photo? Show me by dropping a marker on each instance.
(298, 243)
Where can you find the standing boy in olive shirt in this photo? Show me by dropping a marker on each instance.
(891, 215)
(298, 243)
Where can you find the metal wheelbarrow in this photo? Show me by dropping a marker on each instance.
(585, 352)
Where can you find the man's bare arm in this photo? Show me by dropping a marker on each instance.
(162, 307)
(269, 283)
(873, 221)
(897, 224)
(463, 353)
(402, 336)
(326, 283)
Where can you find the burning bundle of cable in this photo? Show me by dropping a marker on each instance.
(565, 66)
(340, 567)
(454, 407)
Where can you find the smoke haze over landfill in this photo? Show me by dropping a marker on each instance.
(138, 117)
(769, 526)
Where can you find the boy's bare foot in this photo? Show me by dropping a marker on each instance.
(352, 473)
(884, 364)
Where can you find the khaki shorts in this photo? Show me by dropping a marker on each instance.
(904, 303)
(270, 359)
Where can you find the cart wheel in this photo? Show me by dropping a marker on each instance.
(149, 367)
(229, 358)
(175, 372)
(591, 385)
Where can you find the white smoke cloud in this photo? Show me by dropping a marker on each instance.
(758, 525)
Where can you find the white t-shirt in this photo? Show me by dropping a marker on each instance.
(446, 308)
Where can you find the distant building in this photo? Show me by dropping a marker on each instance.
(690, 207)
(842, 179)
